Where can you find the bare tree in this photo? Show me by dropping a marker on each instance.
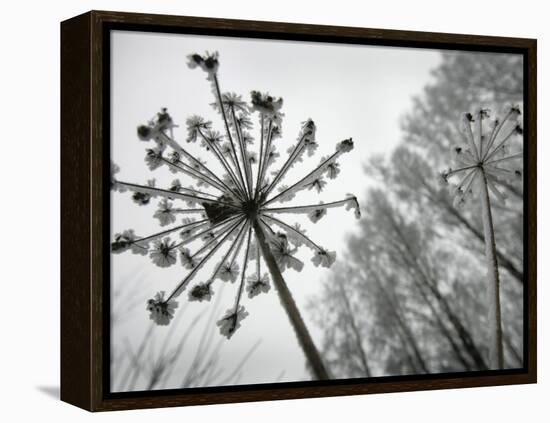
(414, 274)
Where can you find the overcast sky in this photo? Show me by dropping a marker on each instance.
(349, 91)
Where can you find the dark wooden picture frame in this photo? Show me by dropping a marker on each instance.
(84, 186)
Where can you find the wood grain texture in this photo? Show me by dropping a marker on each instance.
(98, 218)
(84, 137)
(76, 326)
(294, 31)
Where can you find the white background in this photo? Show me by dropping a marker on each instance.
(29, 89)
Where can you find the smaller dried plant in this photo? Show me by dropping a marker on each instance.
(482, 165)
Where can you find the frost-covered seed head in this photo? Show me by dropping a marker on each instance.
(244, 192)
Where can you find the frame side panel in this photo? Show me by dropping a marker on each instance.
(75, 212)
(100, 216)
(531, 239)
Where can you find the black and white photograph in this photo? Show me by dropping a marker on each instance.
(241, 211)
(293, 211)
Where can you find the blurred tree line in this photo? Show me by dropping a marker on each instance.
(409, 296)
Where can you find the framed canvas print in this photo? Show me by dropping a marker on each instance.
(258, 210)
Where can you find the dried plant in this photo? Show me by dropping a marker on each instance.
(482, 166)
(233, 208)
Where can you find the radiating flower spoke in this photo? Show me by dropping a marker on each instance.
(213, 240)
(501, 174)
(313, 179)
(319, 209)
(467, 120)
(203, 291)
(166, 213)
(176, 165)
(128, 240)
(229, 269)
(512, 116)
(306, 142)
(505, 159)
(176, 186)
(220, 225)
(152, 191)
(294, 233)
(181, 286)
(257, 283)
(219, 99)
(464, 189)
(215, 148)
(230, 322)
(243, 151)
(322, 257)
(197, 164)
(500, 146)
(260, 163)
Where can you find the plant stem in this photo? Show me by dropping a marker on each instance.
(304, 338)
(496, 357)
